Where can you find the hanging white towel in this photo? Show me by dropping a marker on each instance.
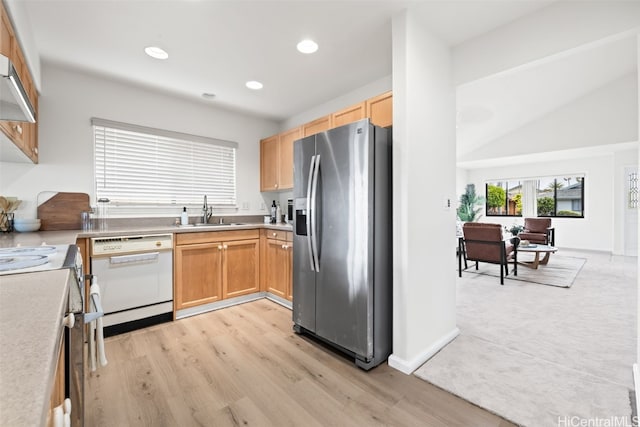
(96, 335)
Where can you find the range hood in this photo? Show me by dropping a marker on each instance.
(14, 102)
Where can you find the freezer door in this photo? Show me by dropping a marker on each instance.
(344, 282)
(304, 277)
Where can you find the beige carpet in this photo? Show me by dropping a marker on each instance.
(561, 271)
(537, 354)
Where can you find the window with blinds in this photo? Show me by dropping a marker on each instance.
(136, 165)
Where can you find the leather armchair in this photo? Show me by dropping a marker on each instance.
(483, 242)
(538, 230)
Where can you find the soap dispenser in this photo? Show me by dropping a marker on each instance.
(184, 217)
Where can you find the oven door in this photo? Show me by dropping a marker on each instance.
(74, 379)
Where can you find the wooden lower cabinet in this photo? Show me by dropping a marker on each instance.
(211, 266)
(198, 274)
(278, 263)
(241, 271)
(289, 295)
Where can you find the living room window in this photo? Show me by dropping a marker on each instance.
(152, 168)
(556, 196)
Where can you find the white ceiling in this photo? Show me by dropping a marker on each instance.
(216, 46)
(494, 106)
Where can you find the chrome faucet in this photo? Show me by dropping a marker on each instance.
(207, 211)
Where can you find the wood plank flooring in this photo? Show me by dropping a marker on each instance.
(244, 366)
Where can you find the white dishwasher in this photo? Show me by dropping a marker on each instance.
(136, 280)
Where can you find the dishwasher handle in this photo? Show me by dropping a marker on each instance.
(127, 259)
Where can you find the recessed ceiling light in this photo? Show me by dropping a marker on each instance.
(252, 84)
(208, 95)
(156, 52)
(307, 46)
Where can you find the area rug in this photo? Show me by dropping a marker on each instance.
(540, 357)
(561, 271)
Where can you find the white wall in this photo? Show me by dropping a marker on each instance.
(68, 101)
(593, 232)
(608, 115)
(423, 176)
(549, 31)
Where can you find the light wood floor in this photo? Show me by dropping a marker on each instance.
(244, 366)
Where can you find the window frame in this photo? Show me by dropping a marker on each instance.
(226, 170)
(555, 178)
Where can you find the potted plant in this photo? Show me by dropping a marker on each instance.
(515, 229)
(468, 210)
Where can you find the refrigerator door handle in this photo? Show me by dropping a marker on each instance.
(308, 220)
(314, 219)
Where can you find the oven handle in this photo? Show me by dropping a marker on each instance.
(123, 259)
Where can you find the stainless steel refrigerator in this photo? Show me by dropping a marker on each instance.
(342, 251)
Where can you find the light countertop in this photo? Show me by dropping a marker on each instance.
(67, 237)
(32, 306)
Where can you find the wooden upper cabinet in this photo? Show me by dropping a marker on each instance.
(276, 152)
(276, 160)
(286, 157)
(269, 163)
(349, 115)
(380, 109)
(6, 35)
(23, 135)
(317, 126)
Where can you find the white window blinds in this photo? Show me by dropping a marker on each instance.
(136, 165)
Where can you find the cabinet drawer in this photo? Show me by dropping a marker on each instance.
(215, 236)
(277, 234)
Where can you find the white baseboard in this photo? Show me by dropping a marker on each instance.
(278, 300)
(636, 383)
(187, 312)
(408, 366)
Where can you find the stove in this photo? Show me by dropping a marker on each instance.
(30, 259)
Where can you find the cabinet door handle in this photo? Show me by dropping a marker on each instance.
(18, 129)
(225, 247)
(219, 247)
(275, 234)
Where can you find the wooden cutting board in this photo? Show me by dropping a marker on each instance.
(62, 211)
